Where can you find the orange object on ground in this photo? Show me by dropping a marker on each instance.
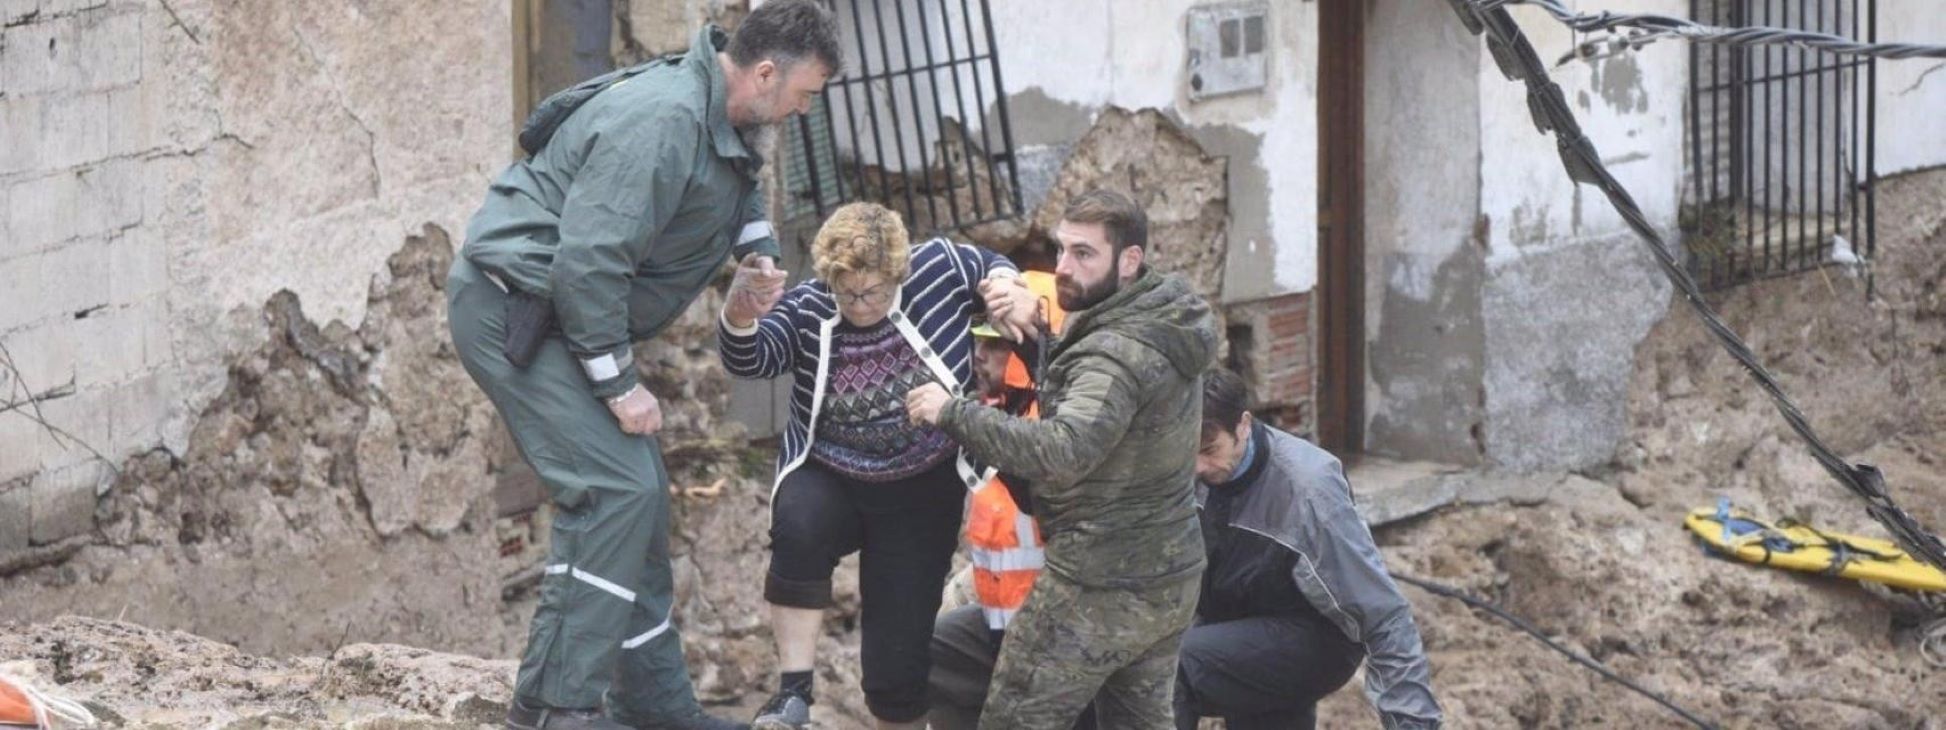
(15, 708)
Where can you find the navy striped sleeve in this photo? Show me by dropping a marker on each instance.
(768, 350)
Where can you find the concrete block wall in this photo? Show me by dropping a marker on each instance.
(86, 312)
(170, 167)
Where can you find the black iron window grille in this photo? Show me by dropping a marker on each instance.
(1781, 144)
(907, 124)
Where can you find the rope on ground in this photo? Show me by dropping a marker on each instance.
(1517, 59)
(1932, 642)
(1646, 28)
(1583, 660)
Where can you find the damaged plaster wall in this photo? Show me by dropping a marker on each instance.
(175, 164)
(1569, 292)
(647, 28)
(336, 484)
(1134, 59)
(1423, 257)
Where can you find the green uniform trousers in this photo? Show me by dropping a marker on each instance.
(602, 627)
(1072, 643)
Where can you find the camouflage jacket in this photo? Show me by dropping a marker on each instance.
(1112, 458)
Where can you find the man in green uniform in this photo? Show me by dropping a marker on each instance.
(1111, 465)
(617, 222)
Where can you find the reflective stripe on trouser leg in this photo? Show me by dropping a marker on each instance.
(652, 685)
(610, 528)
(619, 592)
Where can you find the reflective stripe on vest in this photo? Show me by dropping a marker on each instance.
(1005, 547)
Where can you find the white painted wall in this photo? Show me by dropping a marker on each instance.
(1130, 53)
(1569, 292)
(1632, 107)
(1911, 93)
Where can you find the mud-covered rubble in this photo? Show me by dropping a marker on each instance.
(1604, 565)
(132, 676)
(1144, 154)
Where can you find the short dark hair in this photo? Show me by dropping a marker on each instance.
(1225, 400)
(787, 31)
(1118, 214)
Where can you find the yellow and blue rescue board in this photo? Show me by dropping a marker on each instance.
(1793, 545)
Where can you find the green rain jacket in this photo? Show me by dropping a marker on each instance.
(628, 212)
(1112, 460)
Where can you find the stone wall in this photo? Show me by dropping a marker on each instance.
(170, 166)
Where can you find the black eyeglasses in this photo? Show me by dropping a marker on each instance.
(874, 296)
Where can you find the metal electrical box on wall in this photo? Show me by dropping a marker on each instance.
(1228, 48)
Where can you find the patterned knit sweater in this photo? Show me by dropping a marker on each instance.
(864, 434)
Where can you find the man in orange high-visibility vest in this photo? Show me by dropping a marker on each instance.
(1002, 539)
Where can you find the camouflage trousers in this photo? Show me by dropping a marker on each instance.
(1072, 643)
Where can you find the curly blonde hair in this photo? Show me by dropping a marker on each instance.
(862, 238)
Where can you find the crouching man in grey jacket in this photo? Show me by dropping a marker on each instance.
(1296, 593)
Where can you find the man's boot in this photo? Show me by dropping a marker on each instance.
(786, 710)
(522, 717)
(700, 721)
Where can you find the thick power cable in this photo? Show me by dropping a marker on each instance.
(1549, 108)
(1519, 623)
(1645, 28)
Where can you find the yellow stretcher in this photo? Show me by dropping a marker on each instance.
(1794, 545)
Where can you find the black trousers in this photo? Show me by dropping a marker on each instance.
(1262, 673)
(905, 533)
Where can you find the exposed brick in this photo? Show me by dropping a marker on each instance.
(80, 52)
(63, 502)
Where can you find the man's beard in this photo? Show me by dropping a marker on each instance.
(1088, 296)
(759, 137)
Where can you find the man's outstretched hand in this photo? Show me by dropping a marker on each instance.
(923, 404)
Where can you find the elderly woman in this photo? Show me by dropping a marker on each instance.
(881, 317)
